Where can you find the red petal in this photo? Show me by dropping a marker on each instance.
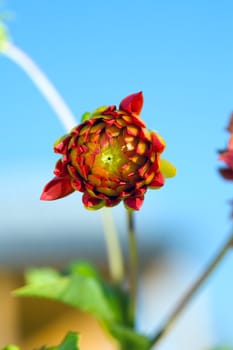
(230, 143)
(158, 181)
(77, 184)
(60, 169)
(92, 202)
(112, 202)
(140, 191)
(111, 110)
(134, 120)
(158, 145)
(61, 147)
(134, 202)
(132, 103)
(57, 188)
(227, 157)
(226, 173)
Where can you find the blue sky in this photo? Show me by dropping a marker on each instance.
(180, 54)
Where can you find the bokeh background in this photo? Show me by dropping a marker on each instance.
(180, 54)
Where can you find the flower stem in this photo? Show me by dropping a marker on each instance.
(193, 290)
(133, 265)
(115, 257)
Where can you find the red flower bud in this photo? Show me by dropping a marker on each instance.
(110, 157)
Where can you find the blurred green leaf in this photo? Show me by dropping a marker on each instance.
(41, 276)
(116, 298)
(83, 268)
(82, 288)
(129, 339)
(70, 342)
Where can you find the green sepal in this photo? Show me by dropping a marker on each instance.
(98, 111)
(98, 206)
(167, 168)
(85, 116)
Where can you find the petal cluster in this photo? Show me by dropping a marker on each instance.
(110, 157)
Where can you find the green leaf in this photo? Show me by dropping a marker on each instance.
(82, 289)
(83, 268)
(41, 276)
(69, 343)
(129, 339)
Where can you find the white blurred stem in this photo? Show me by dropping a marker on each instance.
(43, 84)
(66, 117)
(133, 264)
(113, 246)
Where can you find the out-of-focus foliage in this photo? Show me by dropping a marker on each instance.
(70, 342)
(81, 286)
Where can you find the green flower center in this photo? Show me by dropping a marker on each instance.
(111, 158)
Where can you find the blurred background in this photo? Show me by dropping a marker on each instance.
(180, 55)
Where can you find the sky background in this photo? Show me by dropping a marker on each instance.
(180, 54)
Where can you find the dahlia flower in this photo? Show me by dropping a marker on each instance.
(110, 157)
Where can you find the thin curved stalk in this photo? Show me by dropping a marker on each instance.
(42, 82)
(192, 291)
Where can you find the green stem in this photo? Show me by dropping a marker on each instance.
(115, 257)
(192, 291)
(133, 265)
